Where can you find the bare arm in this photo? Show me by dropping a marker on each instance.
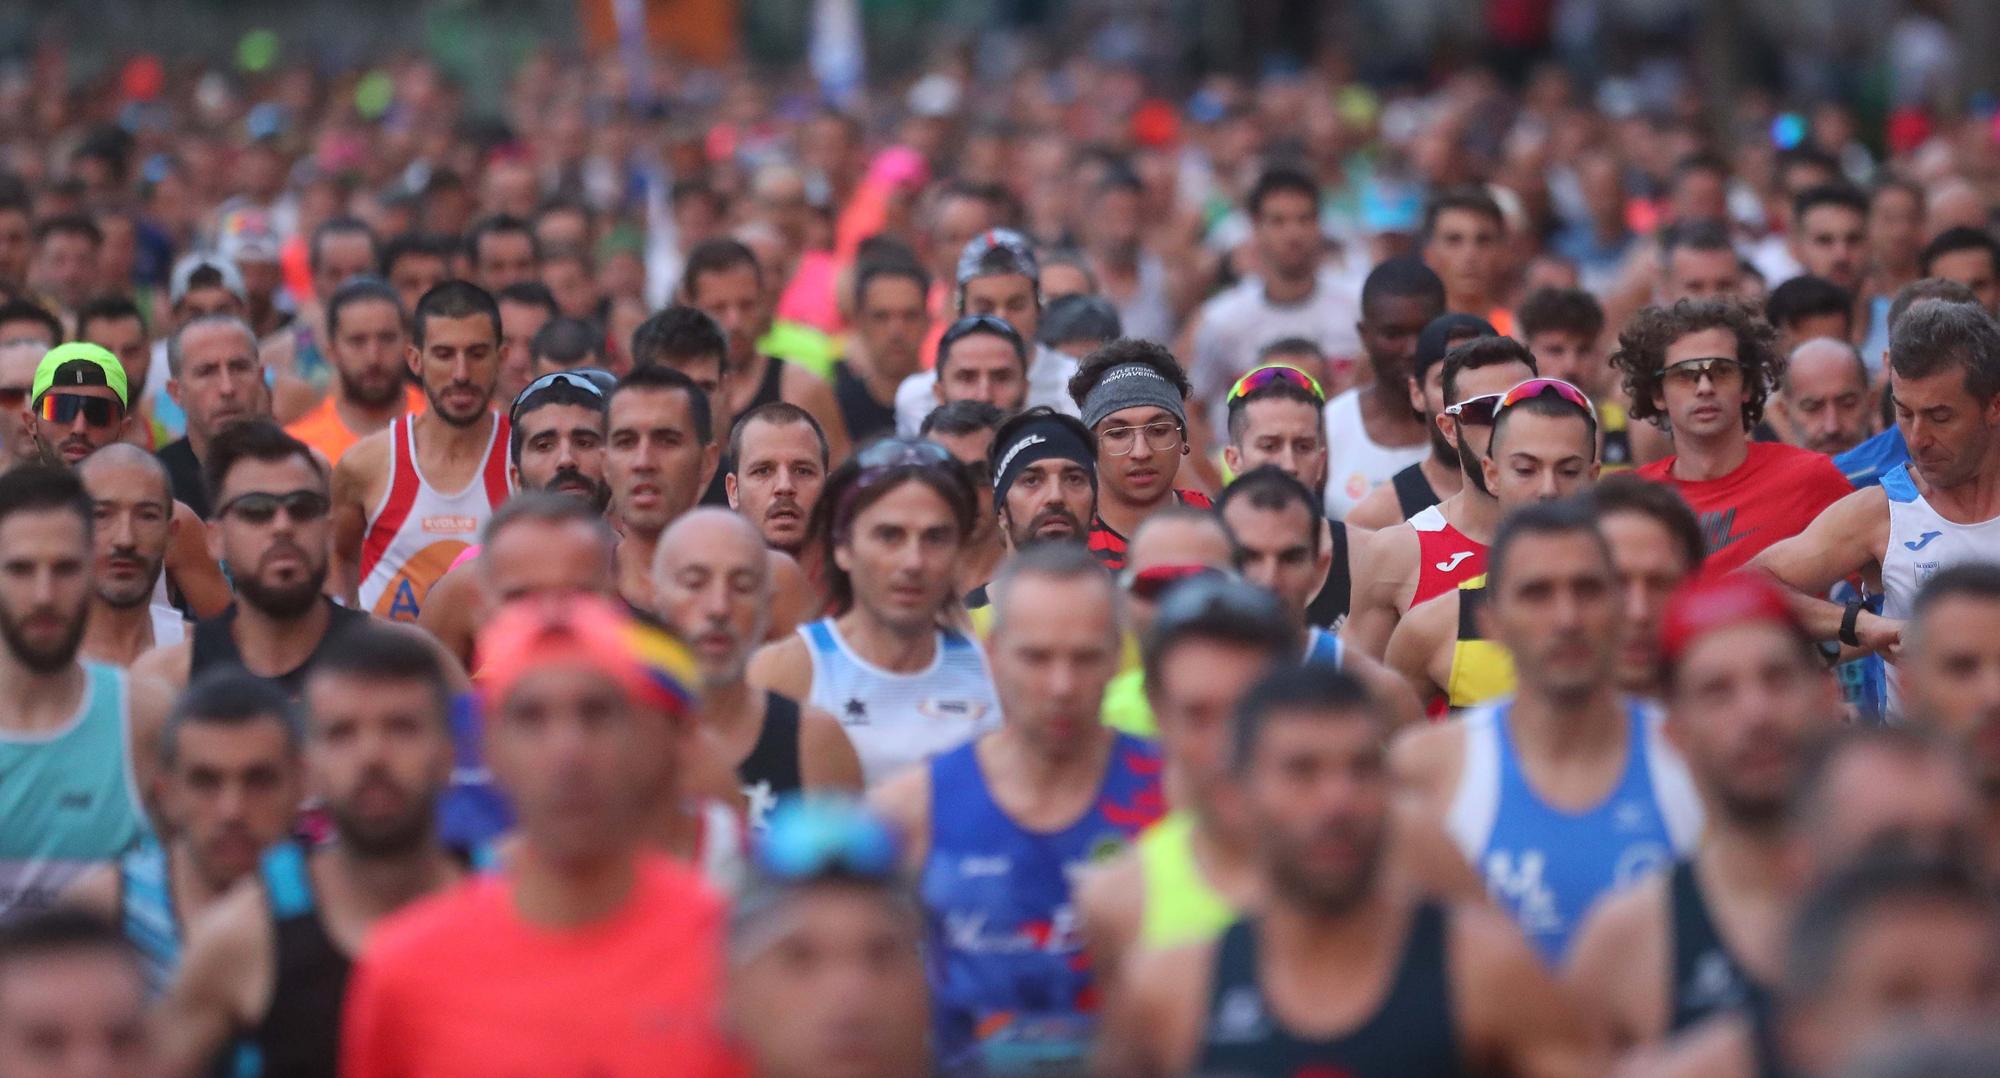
(1424, 762)
(1152, 1027)
(1110, 906)
(791, 597)
(1380, 562)
(451, 609)
(905, 802)
(222, 986)
(1413, 647)
(783, 668)
(828, 760)
(166, 664)
(1516, 1018)
(150, 701)
(1387, 687)
(1615, 969)
(1848, 537)
(95, 892)
(1378, 509)
(813, 393)
(352, 478)
(190, 567)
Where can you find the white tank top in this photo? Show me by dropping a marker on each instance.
(417, 531)
(1355, 465)
(1920, 543)
(168, 625)
(896, 720)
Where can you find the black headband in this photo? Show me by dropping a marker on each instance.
(1048, 438)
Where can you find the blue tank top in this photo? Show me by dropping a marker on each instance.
(1011, 988)
(1324, 647)
(146, 912)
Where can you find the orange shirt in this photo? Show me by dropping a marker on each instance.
(322, 429)
(459, 986)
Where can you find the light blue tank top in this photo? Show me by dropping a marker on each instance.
(896, 720)
(68, 798)
(146, 912)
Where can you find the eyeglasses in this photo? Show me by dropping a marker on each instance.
(1689, 372)
(1543, 387)
(260, 507)
(581, 378)
(1161, 437)
(1475, 411)
(63, 408)
(12, 397)
(1276, 372)
(814, 837)
(1148, 584)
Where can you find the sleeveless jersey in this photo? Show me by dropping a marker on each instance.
(896, 720)
(771, 771)
(299, 1035)
(1328, 609)
(1413, 1034)
(69, 797)
(1705, 978)
(1325, 648)
(417, 530)
(866, 418)
(1010, 983)
(1921, 541)
(215, 645)
(1354, 464)
(1481, 670)
(1414, 492)
(1180, 907)
(169, 627)
(1545, 865)
(1445, 556)
(1109, 544)
(146, 912)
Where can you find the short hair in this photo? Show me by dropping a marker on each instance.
(229, 695)
(1568, 516)
(1627, 493)
(898, 267)
(1975, 580)
(1552, 405)
(1276, 389)
(987, 326)
(566, 341)
(366, 650)
(529, 294)
(495, 224)
(959, 418)
(1829, 194)
(1806, 296)
(1480, 352)
(344, 225)
(40, 488)
(1642, 352)
(1932, 338)
(1823, 928)
(1699, 234)
(717, 256)
(1700, 161)
(1806, 155)
(1807, 798)
(657, 378)
(1960, 238)
(551, 396)
(1405, 277)
(413, 244)
(1925, 289)
(22, 309)
(1066, 562)
(107, 308)
(1278, 179)
(1469, 199)
(259, 439)
(30, 940)
(777, 414)
(1270, 487)
(1120, 352)
(545, 507)
(678, 332)
(1275, 638)
(453, 299)
(1561, 310)
(177, 348)
(1300, 687)
(69, 224)
(361, 290)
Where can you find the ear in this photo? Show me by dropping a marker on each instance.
(213, 530)
(1447, 425)
(174, 390)
(842, 558)
(1416, 394)
(412, 359)
(1232, 460)
(1489, 469)
(513, 477)
(729, 488)
(937, 387)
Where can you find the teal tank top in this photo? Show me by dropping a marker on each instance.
(68, 798)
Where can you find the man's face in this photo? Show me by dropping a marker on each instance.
(1130, 460)
(504, 258)
(134, 520)
(44, 587)
(1650, 565)
(1895, 227)
(1556, 609)
(368, 352)
(569, 279)
(17, 245)
(1194, 704)
(91, 426)
(1285, 433)
(378, 754)
(1568, 356)
(1973, 268)
(74, 1014)
(17, 375)
(1182, 542)
(1050, 499)
(65, 267)
(891, 324)
(1286, 235)
(412, 275)
(1908, 963)
(712, 586)
(734, 298)
(1826, 398)
(343, 256)
(1832, 242)
(656, 464)
(899, 554)
(1747, 701)
(1388, 330)
(578, 759)
(973, 450)
(1274, 550)
(1053, 649)
(1464, 250)
(835, 988)
(1540, 458)
(232, 790)
(777, 482)
(206, 301)
(1711, 405)
(519, 322)
(983, 367)
(959, 220)
(126, 339)
(278, 563)
(1952, 678)
(1876, 800)
(1470, 441)
(1318, 793)
(1949, 431)
(1009, 297)
(538, 557)
(459, 366)
(711, 376)
(562, 449)
(1114, 224)
(221, 380)
(1699, 274)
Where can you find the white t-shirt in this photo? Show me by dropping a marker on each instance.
(1237, 324)
(1049, 373)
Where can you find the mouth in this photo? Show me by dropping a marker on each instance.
(120, 565)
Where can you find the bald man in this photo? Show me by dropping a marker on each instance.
(712, 588)
(1826, 403)
(132, 498)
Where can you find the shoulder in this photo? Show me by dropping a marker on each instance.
(150, 696)
(1718, 1048)
(167, 666)
(905, 798)
(1426, 758)
(96, 891)
(800, 377)
(784, 667)
(1622, 927)
(184, 514)
(1432, 620)
(365, 457)
(1659, 471)
(1114, 887)
(234, 928)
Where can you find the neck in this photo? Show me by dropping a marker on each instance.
(635, 566)
(193, 890)
(1385, 395)
(880, 382)
(1287, 290)
(566, 894)
(982, 556)
(386, 882)
(1315, 938)
(117, 634)
(44, 700)
(1445, 475)
(1976, 499)
(1033, 770)
(726, 707)
(1468, 303)
(429, 429)
(1124, 516)
(893, 648)
(1700, 459)
(365, 419)
(1474, 512)
(1743, 857)
(1554, 727)
(278, 645)
(198, 442)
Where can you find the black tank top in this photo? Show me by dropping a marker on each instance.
(1412, 1035)
(768, 390)
(1329, 608)
(865, 417)
(300, 1034)
(214, 644)
(772, 768)
(771, 389)
(1705, 979)
(1413, 491)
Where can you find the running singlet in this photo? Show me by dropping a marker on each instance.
(1109, 545)
(1180, 907)
(1770, 497)
(866, 418)
(1010, 984)
(1324, 648)
(300, 1034)
(1867, 463)
(1414, 492)
(1481, 670)
(1705, 979)
(1354, 464)
(896, 720)
(771, 771)
(323, 429)
(1413, 1034)
(1328, 609)
(146, 912)
(1921, 542)
(416, 531)
(215, 645)
(1446, 557)
(69, 797)
(1545, 865)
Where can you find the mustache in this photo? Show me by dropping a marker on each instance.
(1051, 513)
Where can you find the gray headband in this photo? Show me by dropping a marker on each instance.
(1131, 385)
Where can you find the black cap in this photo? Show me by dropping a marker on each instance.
(1436, 338)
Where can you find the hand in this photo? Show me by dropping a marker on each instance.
(1883, 636)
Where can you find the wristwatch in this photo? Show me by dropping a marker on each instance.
(1848, 621)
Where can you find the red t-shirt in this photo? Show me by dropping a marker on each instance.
(1770, 497)
(459, 986)
(1109, 546)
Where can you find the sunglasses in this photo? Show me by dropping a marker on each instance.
(982, 323)
(576, 379)
(1277, 372)
(12, 397)
(809, 838)
(1207, 596)
(261, 507)
(1691, 371)
(1544, 387)
(1476, 411)
(1148, 584)
(902, 453)
(63, 408)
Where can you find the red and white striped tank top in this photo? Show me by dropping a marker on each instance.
(416, 531)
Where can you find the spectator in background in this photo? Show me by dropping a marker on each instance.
(1808, 307)
(564, 344)
(1969, 256)
(1825, 401)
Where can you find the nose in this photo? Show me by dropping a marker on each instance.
(787, 483)
(1545, 486)
(122, 532)
(461, 368)
(565, 453)
(1141, 449)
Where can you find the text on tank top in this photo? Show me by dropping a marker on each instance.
(896, 720)
(417, 530)
(215, 645)
(1446, 557)
(772, 771)
(299, 1034)
(69, 796)
(1007, 957)
(1705, 978)
(1413, 1034)
(1921, 542)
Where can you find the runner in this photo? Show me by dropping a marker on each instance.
(995, 829)
(500, 250)
(585, 708)
(367, 345)
(230, 785)
(712, 588)
(565, 344)
(1044, 470)
(1174, 544)
(1564, 328)
(1939, 510)
(414, 263)
(1133, 398)
(18, 360)
(1343, 969)
(889, 328)
(406, 500)
(1747, 695)
(967, 429)
(779, 459)
(115, 324)
(79, 742)
(1373, 431)
(981, 358)
(1464, 240)
(339, 250)
(1569, 790)
(892, 523)
(692, 343)
(1951, 668)
(660, 453)
(1829, 234)
(1438, 476)
(72, 999)
(1276, 418)
(217, 379)
(525, 307)
(269, 965)
(1826, 403)
(134, 522)
(1702, 371)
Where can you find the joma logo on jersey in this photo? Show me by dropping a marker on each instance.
(449, 525)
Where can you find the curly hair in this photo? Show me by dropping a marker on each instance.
(1642, 351)
(1120, 352)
